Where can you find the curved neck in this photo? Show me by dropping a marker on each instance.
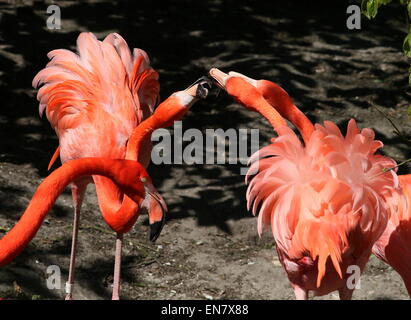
(270, 114)
(46, 194)
(120, 212)
(249, 96)
(169, 111)
(138, 136)
(281, 101)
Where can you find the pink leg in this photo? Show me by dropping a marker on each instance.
(117, 267)
(300, 293)
(77, 191)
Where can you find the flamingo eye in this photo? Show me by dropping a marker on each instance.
(143, 179)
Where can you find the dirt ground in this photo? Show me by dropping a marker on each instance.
(209, 248)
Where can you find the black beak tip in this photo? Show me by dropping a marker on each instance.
(205, 81)
(155, 229)
(202, 92)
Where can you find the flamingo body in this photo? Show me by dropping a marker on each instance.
(322, 201)
(97, 101)
(325, 200)
(94, 101)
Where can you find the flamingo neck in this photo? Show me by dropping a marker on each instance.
(169, 111)
(248, 96)
(46, 194)
(281, 101)
(138, 136)
(119, 211)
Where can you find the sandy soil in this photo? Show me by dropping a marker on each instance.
(209, 248)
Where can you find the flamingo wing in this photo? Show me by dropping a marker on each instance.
(317, 197)
(98, 96)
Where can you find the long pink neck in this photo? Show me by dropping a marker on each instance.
(26, 228)
(165, 115)
(122, 215)
(249, 96)
(281, 101)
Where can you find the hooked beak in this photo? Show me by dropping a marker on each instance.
(200, 88)
(156, 209)
(221, 78)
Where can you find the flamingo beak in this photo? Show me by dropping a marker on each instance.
(200, 88)
(220, 77)
(156, 208)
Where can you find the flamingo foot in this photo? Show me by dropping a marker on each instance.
(69, 291)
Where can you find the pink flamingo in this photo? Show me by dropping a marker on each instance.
(394, 245)
(96, 101)
(324, 199)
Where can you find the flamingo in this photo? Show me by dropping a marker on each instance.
(96, 100)
(324, 199)
(394, 245)
(129, 176)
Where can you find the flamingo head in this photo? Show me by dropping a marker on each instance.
(196, 91)
(222, 79)
(156, 208)
(131, 177)
(200, 88)
(241, 88)
(178, 104)
(271, 91)
(134, 180)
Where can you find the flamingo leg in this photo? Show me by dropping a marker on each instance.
(117, 267)
(300, 293)
(77, 191)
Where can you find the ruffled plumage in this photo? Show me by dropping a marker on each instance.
(104, 74)
(315, 196)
